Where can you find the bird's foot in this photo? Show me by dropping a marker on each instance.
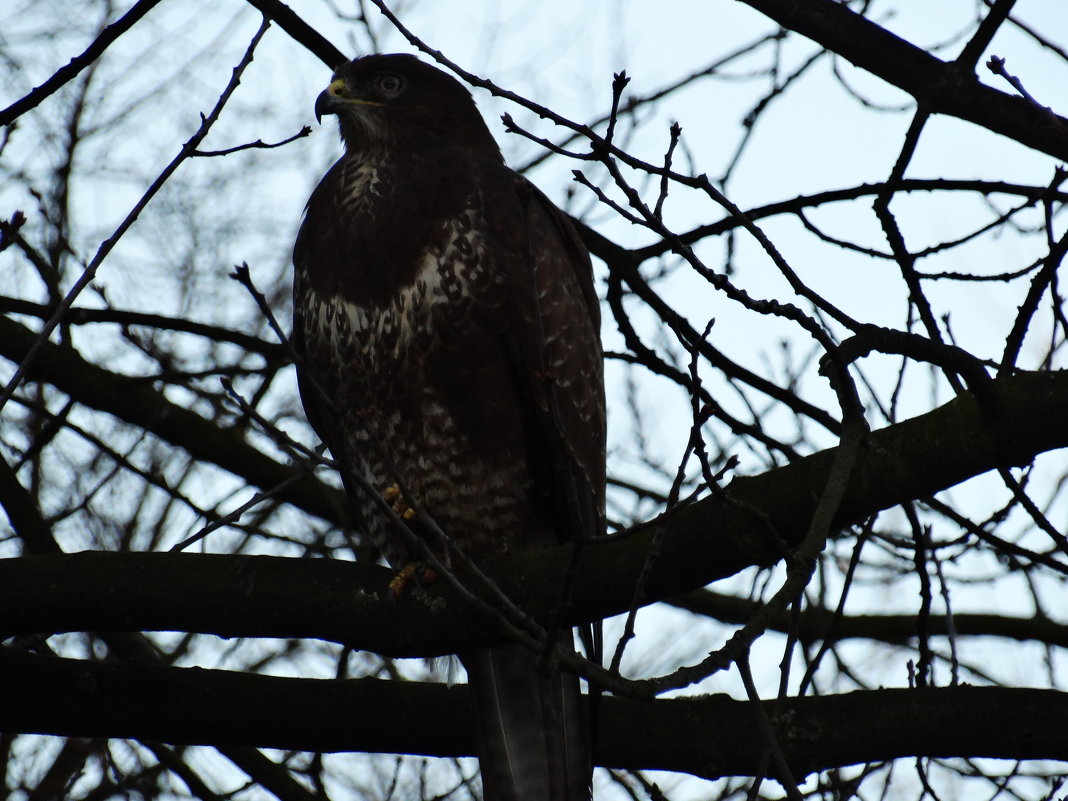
(417, 573)
(395, 498)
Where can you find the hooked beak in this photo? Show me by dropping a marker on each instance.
(328, 101)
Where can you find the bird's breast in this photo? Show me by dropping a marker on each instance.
(451, 280)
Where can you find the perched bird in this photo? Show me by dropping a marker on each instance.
(448, 328)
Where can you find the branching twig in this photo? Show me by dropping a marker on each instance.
(259, 143)
(996, 64)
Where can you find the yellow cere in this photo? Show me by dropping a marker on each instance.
(337, 89)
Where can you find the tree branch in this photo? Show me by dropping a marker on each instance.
(711, 539)
(938, 86)
(818, 624)
(70, 71)
(709, 736)
(82, 315)
(303, 33)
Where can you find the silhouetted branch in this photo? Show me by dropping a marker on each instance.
(702, 542)
(708, 736)
(259, 144)
(939, 87)
(291, 22)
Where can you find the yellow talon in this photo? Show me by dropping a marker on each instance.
(413, 573)
(395, 498)
(400, 582)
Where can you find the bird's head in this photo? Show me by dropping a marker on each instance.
(395, 101)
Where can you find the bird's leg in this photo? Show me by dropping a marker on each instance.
(417, 573)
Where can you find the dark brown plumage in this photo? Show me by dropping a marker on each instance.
(448, 326)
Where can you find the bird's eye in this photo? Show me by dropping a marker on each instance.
(390, 83)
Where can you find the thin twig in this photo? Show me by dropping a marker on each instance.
(259, 143)
(771, 742)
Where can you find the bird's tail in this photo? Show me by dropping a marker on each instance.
(533, 732)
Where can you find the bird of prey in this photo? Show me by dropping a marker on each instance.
(448, 332)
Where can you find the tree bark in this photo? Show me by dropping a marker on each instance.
(708, 736)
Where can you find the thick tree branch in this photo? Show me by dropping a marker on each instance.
(37, 538)
(292, 23)
(709, 736)
(265, 596)
(939, 87)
